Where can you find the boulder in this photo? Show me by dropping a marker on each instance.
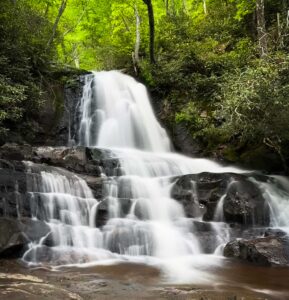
(245, 204)
(267, 251)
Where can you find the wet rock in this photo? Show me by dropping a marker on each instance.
(102, 214)
(267, 251)
(245, 204)
(141, 209)
(201, 226)
(13, 187)
(122, 205)
(83, 160)
(73, 159)
(96, 185)
(12, 151)
(16, 234)
(275, 232)
(204, 189)
(208, 242)
(34, 230)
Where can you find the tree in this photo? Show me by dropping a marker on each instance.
(261, 28)
(137, 40)
(60, 12)
(152, 29)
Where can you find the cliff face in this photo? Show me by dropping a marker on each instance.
(51, 124)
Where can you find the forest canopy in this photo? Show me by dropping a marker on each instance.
(218, 67)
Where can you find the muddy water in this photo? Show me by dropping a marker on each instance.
(132, 281)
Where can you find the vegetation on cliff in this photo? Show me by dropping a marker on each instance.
(217, 67)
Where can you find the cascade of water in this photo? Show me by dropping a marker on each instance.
(115, 113)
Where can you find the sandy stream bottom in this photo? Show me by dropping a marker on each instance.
(134, 281)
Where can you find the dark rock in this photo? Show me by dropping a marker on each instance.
(15, 235)
(232, 249)
(12, 151)
(96, 185)
(102, 213)
(201, 226)
(141, 210)
(208, 241)
(184, 142)
(12, 239)
(34, 230)
(275, 232)
(267, 251)
(245, 204)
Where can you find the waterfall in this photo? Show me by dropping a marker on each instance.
(115, 113)
(276, 194)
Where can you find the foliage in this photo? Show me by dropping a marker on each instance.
(208, 73)
(255, 102)
(21, 56)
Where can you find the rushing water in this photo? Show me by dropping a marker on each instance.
(115, 114)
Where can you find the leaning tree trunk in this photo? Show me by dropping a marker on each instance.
(152, 29)
(54, 28)
(137, 40)
(261, 28)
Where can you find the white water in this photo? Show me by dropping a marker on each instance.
(116, 114)
(277, 196)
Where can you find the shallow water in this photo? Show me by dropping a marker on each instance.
(130, 280)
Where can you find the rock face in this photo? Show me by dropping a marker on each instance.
(79, 159)
(243, 202)
(267, 251)
(184, 141)
(15, 235)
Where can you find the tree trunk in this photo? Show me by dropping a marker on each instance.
(205, 7)
(184, 6)
(261, 28)
(137, 40)
(173, 8)
(152, 29)
(167, 7)
(60, 12)
(279, 30)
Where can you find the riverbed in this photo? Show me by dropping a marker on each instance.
(134, 281)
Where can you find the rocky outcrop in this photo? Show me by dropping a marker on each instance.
(267, 251)
(81, 160)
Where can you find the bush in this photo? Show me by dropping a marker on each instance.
(254, 103)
